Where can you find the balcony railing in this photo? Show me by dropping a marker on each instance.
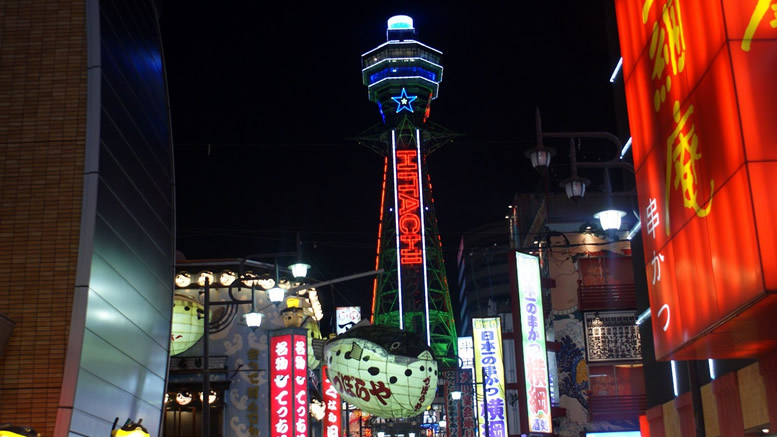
(606, 297)
(621, 407)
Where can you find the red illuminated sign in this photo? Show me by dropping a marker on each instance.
(409, 203)
(452, 410)
(460, 413)
(700, 92)
(332, 418)
(288, 384)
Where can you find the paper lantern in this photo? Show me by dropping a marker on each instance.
(382, 370)
(187, 326)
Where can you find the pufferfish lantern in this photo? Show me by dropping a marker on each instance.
(382, 370)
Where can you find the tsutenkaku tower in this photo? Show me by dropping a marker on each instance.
(403, 77)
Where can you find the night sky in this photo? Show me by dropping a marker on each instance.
(266, 97)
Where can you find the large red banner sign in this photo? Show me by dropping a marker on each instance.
(701, 99)
(288, 384)
(333, 418)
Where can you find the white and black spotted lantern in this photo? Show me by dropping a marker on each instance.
(382, 370)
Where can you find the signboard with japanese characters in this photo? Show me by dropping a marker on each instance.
(489, 364)
(466, 352)
(535, 357)
(452, 405)
(333, 417)
(460, 413)
(700, 90)
(288, 383)
(347, 317)
(467, 411)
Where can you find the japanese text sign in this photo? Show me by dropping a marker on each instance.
(467, 417)
(347, 317)
(489, 364)
(460, 412)
(452, 406)
(288, 384)
(332, 418)
(700, 91)
(466, 352)
(535, 357)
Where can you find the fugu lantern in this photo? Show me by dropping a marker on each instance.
(382, 370)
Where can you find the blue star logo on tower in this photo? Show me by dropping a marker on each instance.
(403, 101)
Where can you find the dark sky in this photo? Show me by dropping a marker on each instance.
(265, 97)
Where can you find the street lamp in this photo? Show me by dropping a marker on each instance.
(540, 155)
(299, 270)
(575, 186)
(610, 219)
(276, 293)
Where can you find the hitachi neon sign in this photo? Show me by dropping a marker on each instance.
(409, 222)
(408, 205)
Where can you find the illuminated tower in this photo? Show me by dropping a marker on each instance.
(403, 77)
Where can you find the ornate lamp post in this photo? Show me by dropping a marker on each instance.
(574, 186)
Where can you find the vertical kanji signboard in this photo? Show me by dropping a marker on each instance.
(333, 418)
(701, 93)
(490, 377)
(535, 356)
(288, 383)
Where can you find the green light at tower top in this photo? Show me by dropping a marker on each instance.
(402, 63)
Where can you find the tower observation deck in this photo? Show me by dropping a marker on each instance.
(402, 77)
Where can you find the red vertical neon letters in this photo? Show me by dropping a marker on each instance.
(409, 202)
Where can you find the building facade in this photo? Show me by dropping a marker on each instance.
(593, 345)
(88, 224)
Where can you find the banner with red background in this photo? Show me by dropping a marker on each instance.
(701, 93)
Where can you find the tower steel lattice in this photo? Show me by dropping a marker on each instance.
(402, 77)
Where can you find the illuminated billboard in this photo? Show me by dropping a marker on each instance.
(535, 357)
(460, 413)
(346, 317)
(489, 364)
(410, 231)
(700, 90)
(333, 418)
(466, 352)
(452, 404)
(288, 383)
